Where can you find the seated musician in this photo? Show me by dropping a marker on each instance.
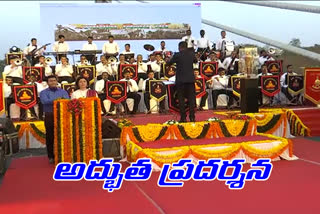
(230, 63)
(90, 46)
(60, 46)
(213, 58)
(39, 86)
(264, 57)
(146, 95)
(8, 96)
(110, 48)
(14, 71)
(204, 97)
(64, 71)
(83, 61)
(142, 68)
(284, 84)
(122, 61)
(45, 65)
(219, 84)
(82, 89)
(132, 92)
(157, 65)
(100, 88)
(105, 66)
(264, 72)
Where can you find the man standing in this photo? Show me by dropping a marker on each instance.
(203, 45)
(90, 46)
(32, 52)
(185, 80)
(60, 47)
(190, 40)
(110, 48)
(47, 97)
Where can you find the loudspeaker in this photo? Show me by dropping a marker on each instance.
(110, 129)
(249, 95)
(111, 148)
(7, 126)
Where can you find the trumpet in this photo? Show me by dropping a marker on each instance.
(48, 60)
(112, 60)
(18, 62)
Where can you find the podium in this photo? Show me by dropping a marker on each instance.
(249, 95)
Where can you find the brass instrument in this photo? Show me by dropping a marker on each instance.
(18, 62)
(112, 60)
(86, 62)
(48, 60)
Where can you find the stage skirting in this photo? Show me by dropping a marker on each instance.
(32, 134)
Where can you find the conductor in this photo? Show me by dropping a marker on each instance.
(185, 80)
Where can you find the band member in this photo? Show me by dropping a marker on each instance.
(219, 84)
(231, 63)
(82, 89)
(196, 64)
(131, 92)
(204, 98)
(8, 96)
(45, 65)
(32, 52)
(185, 80)
(105, 66)
(90, 46)
(284, 83)
(110, 48)
(13, 70)
(162, 47)
(100, 88)
(190, 40)
(213, 58)
(146, 95)
(264, 72)
(264, 57)
(203, 45)
(32, 81)
(60, 46)
(47, 97)
(157, 65)
(127, 52)
(142, 68)
(83, 61)
(223, 39)
(64, 70)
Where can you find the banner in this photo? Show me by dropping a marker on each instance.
(133, 70)
(12, 56)
(127, 31)
(28, 71)
(88, 72)
(169, 70)
(116, 91)
(2, 102)
(312, 84)
(25, 96)
(270, 85)
(235, 85)
(295, 84)
(200, 87)
(208, 69)
(274, 67)
(158, 90)
(173, 99)
(69, 87)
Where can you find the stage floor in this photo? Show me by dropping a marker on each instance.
(293, 187)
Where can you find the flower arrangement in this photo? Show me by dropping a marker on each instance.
(236, 116)
(75, 106)
(124, 123)
(171, 122)
(213, 119)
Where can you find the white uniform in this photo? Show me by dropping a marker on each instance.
(47, 69)
(227, 61)
(60, 47)
(31, 47)
(221, 84)
(64, 70)
(134, 87)
(203, 43)
(110, 48)
(283, 79)
(142, 67)
(189, 40)
(15, 71)
(89, 47)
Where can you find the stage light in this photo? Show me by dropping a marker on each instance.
(14, 49)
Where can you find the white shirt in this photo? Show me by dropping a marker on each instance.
(30, 48)
(89, 47)
(172, 79)
(164, 50)
(219, 43)
(189, 41)
(261, 74)
(16, 71)
(39, 87)
(47, 69)
(79, 94)
(221, 84)
(145, 84)
(134, 87)
(110, 69)
(110, 48)
(142, 67)
(7, 90)
(283, 79)
(83, 64)
(60, 47)
(227, 62)
(155, 66)
(100, 86)
(127, 52)
(262, 60)
(203, 43)
(64, 70)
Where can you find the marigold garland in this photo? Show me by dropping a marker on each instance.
(36, 128)
(297, 128)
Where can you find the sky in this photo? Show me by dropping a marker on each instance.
(282, 25)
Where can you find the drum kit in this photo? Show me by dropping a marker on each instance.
(165, 54)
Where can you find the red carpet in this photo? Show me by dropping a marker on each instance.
(292, 188)
(311, 118)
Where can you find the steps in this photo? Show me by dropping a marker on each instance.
(311, 118)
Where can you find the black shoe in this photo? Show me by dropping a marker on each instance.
(51, 161)
(182, 121)
(192, 120)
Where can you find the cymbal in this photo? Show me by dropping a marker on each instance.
(148, 47)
